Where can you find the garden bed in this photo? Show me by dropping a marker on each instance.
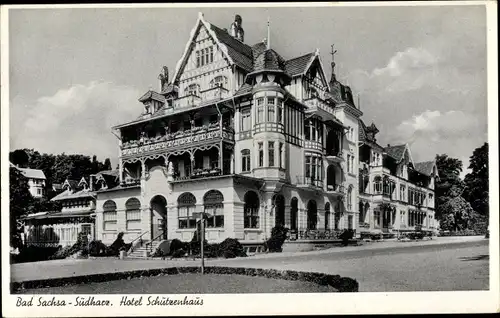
(341, 284)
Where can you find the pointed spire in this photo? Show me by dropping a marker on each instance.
(333, 79)
(268, 34)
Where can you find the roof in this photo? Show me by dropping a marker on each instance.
(73, 184)
(57, 186)
(113, 173)
(361, 130)
(32, 173)
(239, 52)
(244, 89)
(298, 65)
(396, 152)
(269, 60)
(68, 194)
(151, 95)
(425, 167)
(58, 214)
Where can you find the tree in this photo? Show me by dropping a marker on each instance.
(456, 214)
(449, 183)
(19, 158)
(107, 165)
(20, 198)
(477, 181)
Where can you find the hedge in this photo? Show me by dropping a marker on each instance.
(341, 284)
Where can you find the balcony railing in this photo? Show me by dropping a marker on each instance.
(302, 234)
(335, 188)
(200, 173)
(304, 181)
(206, 133)
(311, 144)
(187, 101)
(336, 156)
(192, 100)
(315, 103)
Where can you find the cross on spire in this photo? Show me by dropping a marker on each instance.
(333, 63)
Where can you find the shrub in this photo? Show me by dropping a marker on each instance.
(346, 235)
(98, 248)
(278, 237)
(119, 245)
(230, 248)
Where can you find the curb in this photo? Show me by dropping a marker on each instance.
(341, 284)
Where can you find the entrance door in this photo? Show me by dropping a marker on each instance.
(158, 217)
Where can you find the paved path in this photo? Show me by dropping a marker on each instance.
(334, 260)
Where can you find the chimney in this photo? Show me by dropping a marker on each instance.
(236, 29)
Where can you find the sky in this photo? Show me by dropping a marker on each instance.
(420, 72)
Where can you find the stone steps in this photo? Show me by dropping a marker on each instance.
(143, 251)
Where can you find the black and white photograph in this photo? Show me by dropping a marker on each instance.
(179, 159)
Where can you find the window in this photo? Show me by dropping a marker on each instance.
(282, 156)
(376, 216)
(109, 216)
(39, 191)
(307, 130)
(215, 208)
(193, 89)
(245, 160)
(246, 119)
(270, 149)
(187, 205)
(327, 216)
(204, 56)
(314, 166)
(261, 154)
(402, 193)
(270, 109)
(279, 111)
(349, 199)
(219, 81)
(402, 221)
(251, 210)
(377, 182)
(348, 163)
(133, 214)
(260, 110)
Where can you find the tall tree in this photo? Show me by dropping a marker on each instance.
(20, 198)
(19, 158)
(449, 184)
(477, 181)
(456, 214)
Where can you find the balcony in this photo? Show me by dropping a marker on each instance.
(335, 189)
(316, 104)
(313, 145)
(192, 137)
(309, 182)
(206, 96)
(335, 156)
(200, 173)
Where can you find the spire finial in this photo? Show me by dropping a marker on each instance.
(333, 62)
(268, 34)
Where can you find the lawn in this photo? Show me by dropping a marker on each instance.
(188, 284)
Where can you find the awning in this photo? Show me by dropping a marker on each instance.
(59, 214)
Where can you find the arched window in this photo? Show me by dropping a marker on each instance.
(251, 210)
(312, 215)
(109, 216)
(245, 160)
(133, 214)
(349, 199)
(327, 216)
(219, 81)
(186, 206)
(193, 89)
(214, 207)
(377, 184)
(279, 210)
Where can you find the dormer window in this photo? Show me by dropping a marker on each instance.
(204, 56)
(193, 89)
(219, 81)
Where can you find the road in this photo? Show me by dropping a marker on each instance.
(448, 267)
(421, 266)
